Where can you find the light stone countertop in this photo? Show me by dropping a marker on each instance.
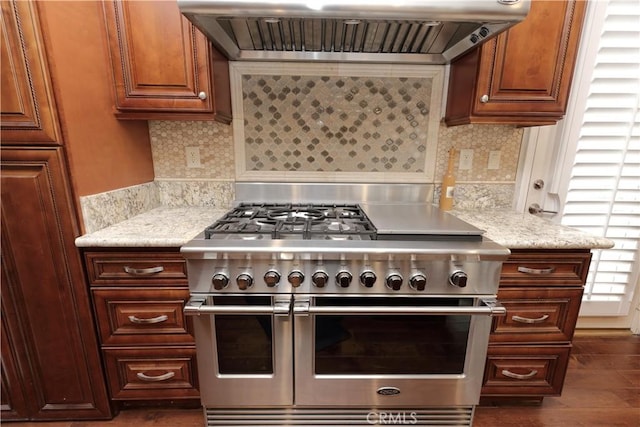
(159, 227)
(173, 227)
(516, 230)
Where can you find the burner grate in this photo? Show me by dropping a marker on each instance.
(294, 221)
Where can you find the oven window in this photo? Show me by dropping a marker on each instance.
(391, 344)
(244, 341)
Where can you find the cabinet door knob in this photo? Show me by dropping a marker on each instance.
(484, 98)
(202, 95)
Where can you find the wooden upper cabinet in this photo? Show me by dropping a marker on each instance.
(524, 75)
(27, 106)
(163, 67)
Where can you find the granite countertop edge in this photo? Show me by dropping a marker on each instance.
(175, 226)
(517, 230)
(160, 227)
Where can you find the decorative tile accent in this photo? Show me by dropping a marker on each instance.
(316, 120)
(214, 140)
(335, 124)
(219, 194)
(482, 139)
(104, 209)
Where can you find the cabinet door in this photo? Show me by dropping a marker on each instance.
(13, 399)
(27, 107)
(524, 75)
(162, 65)
(45, 301)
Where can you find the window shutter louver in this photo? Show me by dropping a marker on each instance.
(603, 196)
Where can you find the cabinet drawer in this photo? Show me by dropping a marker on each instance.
(546, 268)
(140, 269)
(132, 316)
(525, 370)
(158, 373)
(537, 315)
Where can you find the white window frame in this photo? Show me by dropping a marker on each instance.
(548, 153)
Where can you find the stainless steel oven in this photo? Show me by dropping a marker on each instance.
(352, 319)
(245, 349)
(389, 352)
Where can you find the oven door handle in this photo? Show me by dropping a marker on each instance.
(490, 307)
(197, 306)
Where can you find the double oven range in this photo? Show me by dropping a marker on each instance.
(341, 305)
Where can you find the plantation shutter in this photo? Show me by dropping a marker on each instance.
(603, 195)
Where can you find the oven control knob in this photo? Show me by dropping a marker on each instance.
(244, 281)
(219, 281)
(343, 279)
(418, 282)
(458, 278)
(394, 281)
(368, 278)
(295, 278)
(320, 279)
(271, 278)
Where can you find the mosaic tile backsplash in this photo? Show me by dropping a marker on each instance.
(335, 123)
(297, 123)
(169, 139)
(214, 142)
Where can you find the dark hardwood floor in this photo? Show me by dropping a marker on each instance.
(602, 388)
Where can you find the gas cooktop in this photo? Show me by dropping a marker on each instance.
(341, 221)
(255, 221)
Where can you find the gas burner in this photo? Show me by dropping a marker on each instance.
(294, 213)
(338, 226)
(338, 237)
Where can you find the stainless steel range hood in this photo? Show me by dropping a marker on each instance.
(377, 31)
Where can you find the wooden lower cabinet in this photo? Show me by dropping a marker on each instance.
(151, 373)
(147, 343)
(526, 370)
(529, 347)
(50, 357)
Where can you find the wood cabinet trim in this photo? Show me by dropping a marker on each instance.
(34, 121)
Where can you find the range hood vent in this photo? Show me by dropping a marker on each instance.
(375, 31)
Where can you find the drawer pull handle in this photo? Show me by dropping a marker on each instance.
(140, 321)
(154, 378)
(521, 319)
(536, 271)
(143, 271)
(508, 373)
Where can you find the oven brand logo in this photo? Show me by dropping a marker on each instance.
(388, 391)
(392, 418)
